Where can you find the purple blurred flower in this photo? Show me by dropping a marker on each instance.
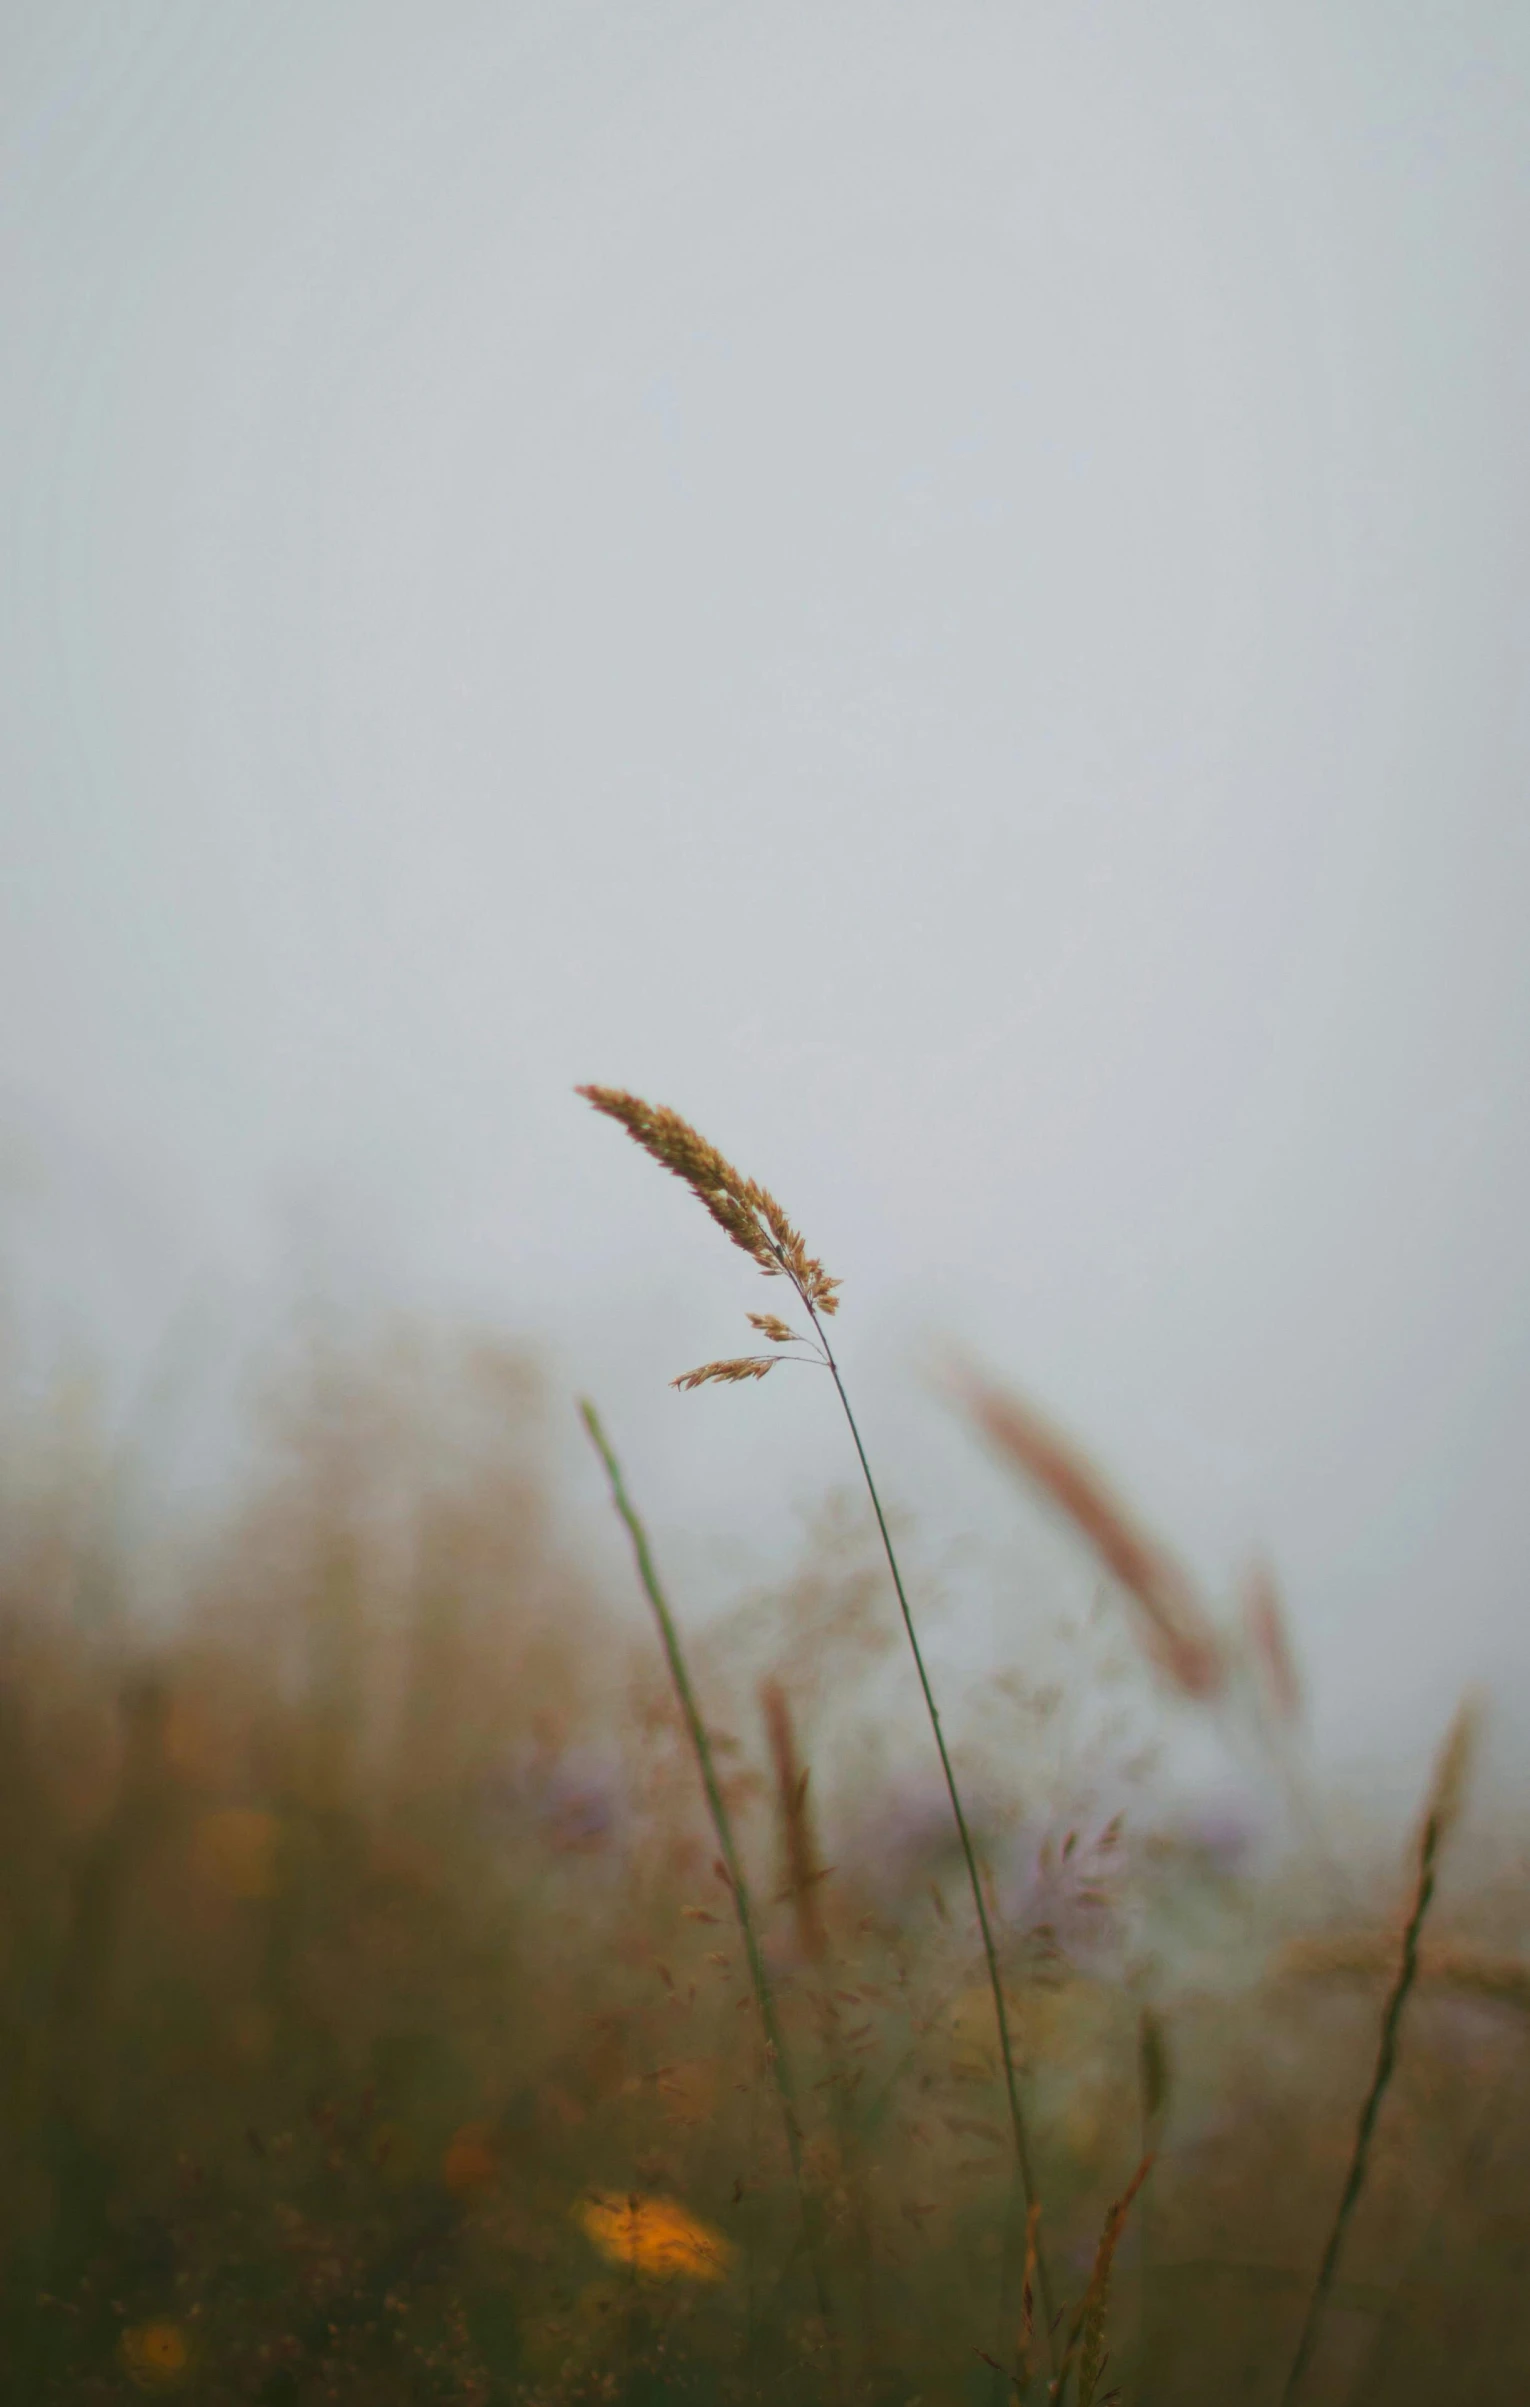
(571, 1799)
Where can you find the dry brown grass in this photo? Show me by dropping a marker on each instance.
(360, 1940)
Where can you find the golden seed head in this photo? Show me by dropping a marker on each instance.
(746, 1212)
(780, 1332)
(741, 1366)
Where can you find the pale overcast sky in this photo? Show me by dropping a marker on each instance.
(942, 586)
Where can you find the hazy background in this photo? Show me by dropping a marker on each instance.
(941, 586)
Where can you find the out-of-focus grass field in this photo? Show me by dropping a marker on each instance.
(375, 2025)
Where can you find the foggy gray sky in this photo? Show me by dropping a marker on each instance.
(941, 586)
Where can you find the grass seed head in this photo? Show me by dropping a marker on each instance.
(1176, 1628)
(746, 1212)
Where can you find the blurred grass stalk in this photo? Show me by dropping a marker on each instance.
(1439, 1815)
(1024, 2166)
(732, 1867)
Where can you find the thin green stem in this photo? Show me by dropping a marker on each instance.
(1023, 2160)
(701, 1747)
(1386, 2062)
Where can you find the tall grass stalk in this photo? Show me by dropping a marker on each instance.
(1443, 1805)
(749, 1215)
(738, 1886)
(1023, 2160)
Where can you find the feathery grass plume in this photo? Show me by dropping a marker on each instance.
(745, 1211)
(729, 1372)
(1440, 1813)
(722, 1826)
(1179, 1633)
(1086, 2340)
(750, 1216)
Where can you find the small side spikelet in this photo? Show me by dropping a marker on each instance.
(780, 1332)
(746, 1212)
(739, 1366)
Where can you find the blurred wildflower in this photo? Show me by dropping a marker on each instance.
(571, 1798)
(1217, 1834)
(157, 2355)
(903, 1838)
(655, 2236)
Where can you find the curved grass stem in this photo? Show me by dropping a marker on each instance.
(1024, 2163)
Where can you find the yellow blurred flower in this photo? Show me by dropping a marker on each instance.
(236, 1851)
(655, 2236)
(156, 2354)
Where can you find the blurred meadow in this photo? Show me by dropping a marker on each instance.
(947, 583)
(377, 2025)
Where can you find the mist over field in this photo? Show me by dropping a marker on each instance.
(940, 587)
